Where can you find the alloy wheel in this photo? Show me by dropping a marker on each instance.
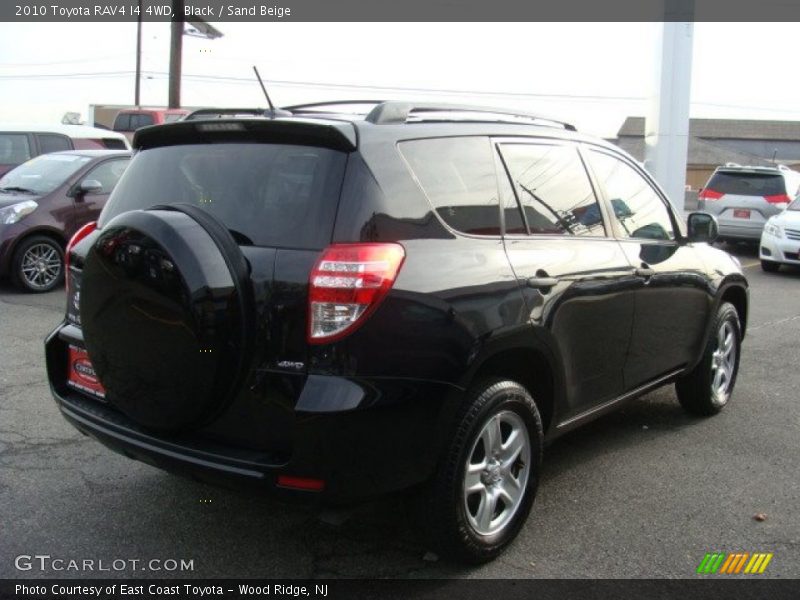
(496, 473)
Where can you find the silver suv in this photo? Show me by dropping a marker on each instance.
(743, 198)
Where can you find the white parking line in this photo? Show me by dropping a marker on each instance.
(751, 264)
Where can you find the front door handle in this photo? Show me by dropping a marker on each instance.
(541, 283)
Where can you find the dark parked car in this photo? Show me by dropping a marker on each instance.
(339, 306)
(43, 203)
(19, 143)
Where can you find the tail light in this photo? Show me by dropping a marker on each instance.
(79, 235)
(346, 285)
(708, 194)
(778, 199)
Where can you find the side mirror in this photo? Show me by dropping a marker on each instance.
(701, 227)
(88, 186)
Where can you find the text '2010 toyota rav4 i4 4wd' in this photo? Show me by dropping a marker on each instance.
(336, 305)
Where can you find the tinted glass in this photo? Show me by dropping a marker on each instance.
(122, 122)
(554, 189)
(53, 143)
(267, 194)
(636, 205)
(138, 121)
(108, 174)
(747, 184)
(14, 148)
(44, 173)
(459, 178)
(114, 144)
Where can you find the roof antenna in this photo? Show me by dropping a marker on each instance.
(273, 112)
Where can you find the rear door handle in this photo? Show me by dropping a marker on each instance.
(540, 283)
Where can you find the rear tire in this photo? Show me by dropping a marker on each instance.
(707, 388)
(38, 264)
(770, 266)
(487, 480)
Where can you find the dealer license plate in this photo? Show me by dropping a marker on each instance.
(81, 373)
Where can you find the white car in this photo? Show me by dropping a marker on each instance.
(780, 240)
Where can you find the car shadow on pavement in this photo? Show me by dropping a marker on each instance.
(255, 535)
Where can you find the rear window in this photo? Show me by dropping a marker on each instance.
(114, 144)
(267, 194)
(747, 184)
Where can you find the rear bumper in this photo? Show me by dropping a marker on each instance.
(387, 443)
(779, 250)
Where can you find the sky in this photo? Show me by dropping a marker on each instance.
(592, 74)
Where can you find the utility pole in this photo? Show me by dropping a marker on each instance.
(136, 94)
(175, 54)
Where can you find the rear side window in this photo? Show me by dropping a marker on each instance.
(14, 148)
(52, 143)
(267, 194)
(747, 184)
(459, 178)
(553, 189)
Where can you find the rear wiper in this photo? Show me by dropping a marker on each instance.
(15, 188)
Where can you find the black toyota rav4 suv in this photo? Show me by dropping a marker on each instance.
(337, 305)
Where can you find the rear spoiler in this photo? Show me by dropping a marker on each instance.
(336, 135)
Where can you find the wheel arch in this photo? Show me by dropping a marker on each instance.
(532, 365)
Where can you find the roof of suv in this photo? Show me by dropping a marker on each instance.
(344, 125)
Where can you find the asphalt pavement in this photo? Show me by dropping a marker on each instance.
(645, 492)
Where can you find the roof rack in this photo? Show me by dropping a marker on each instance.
(317, 106)
(404, 112)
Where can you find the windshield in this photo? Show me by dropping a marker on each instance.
(43, 174)
(794, 205)
(747, 184)
(266, 194)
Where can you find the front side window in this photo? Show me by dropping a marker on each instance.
(638, 208)
(553, 189)
(459, 178)
(108, 174)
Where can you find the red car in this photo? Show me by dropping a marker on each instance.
(129, 120)
(43, 202)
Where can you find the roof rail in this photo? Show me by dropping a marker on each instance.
(314, 106)
(403, 112)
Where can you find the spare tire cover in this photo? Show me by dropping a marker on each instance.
(164, 316)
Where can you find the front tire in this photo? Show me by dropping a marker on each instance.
(486, 484)
(770, 266)
(707, 389)
(38, 264)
